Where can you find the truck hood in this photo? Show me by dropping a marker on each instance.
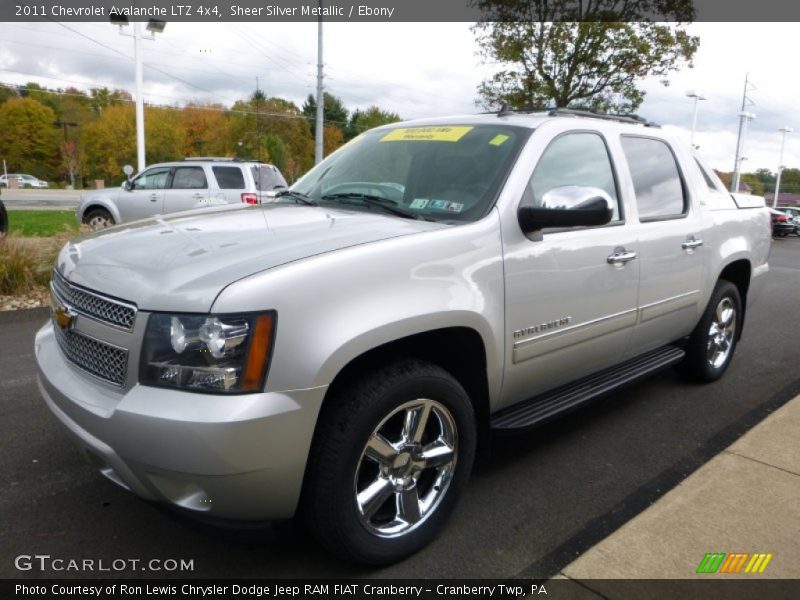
(180, 262)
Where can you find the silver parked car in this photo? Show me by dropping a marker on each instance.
(342, 352)
(24, 181)
(176, 186)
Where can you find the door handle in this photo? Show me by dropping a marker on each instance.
(198, 196)
(691, 244)
(153, 197)
(620, 256)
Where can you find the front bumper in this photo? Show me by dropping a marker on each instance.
(233, 457)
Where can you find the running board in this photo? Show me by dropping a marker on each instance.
(544, 407)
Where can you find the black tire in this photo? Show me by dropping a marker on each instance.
(340, 470)
(713, 342)
(3, 220)
(98, 218)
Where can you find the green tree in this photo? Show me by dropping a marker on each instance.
(362, 120)
(28, 140)
(581, 54)
(334, 112)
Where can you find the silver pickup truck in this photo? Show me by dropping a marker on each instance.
(341, 354)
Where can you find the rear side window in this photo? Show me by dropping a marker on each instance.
(267, 178)
(189, 178)
(656, 179)
(229, 178)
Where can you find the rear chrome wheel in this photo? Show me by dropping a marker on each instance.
(711, 345)
(406, 468)
(721, 333)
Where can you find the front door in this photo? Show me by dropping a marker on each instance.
(145, 196)
(571, 294)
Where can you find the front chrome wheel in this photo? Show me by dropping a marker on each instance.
(406, 468)
(721, 333)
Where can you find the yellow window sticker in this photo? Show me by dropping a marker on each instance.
(498, 139)
(426, 134)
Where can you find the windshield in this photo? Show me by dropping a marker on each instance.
(447, 173)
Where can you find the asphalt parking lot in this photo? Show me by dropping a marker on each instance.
(538, 501)
(41, 199)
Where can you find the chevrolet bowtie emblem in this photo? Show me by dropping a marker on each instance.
(63, 317)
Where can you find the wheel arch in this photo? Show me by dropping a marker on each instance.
(99, 204)
(738, 272)
(458, 350)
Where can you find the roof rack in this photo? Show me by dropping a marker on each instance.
(213, 159)
(573, 112)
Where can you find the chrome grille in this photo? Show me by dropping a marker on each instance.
(91, 304)
(102, 360)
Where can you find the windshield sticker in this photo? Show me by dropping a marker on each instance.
(453, 207)
(498, 139)
(427, 134)
(419, 203)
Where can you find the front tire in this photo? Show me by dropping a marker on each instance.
(389, 460)
(711, 346)
(98, 218)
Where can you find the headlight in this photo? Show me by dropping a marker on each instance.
(207, 353)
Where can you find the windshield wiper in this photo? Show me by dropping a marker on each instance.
(297, 196)
(384, 203)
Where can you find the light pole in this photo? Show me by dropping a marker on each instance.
(697, 97)
(784, 131)
(744, 117)
(154, 26)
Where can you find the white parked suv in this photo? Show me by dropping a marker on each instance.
(176, 186)
(342, 352)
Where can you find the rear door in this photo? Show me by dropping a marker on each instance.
(230, 183)
(188, 189)
(673, 242)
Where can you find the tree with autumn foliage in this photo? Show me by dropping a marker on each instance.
(581, 53)
(28, 140)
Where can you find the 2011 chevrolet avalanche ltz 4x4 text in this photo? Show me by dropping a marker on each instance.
(340, 353)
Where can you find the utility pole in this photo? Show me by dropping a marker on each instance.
(744, 117)
(318, 151)
(258, 120)
(784, 131)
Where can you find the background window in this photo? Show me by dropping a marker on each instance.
(229, 178)
(189, 178)
(575, 159)
(152, 179)
(656, 179)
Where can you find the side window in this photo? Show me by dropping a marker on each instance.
(574, 159)
(189, 178)
(152, 179)
(229, 178)
(656, 179)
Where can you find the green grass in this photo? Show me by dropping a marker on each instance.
(41, 223)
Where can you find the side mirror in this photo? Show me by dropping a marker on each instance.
(127, 185)
(567, 206)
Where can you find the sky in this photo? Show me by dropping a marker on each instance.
(414, 69)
